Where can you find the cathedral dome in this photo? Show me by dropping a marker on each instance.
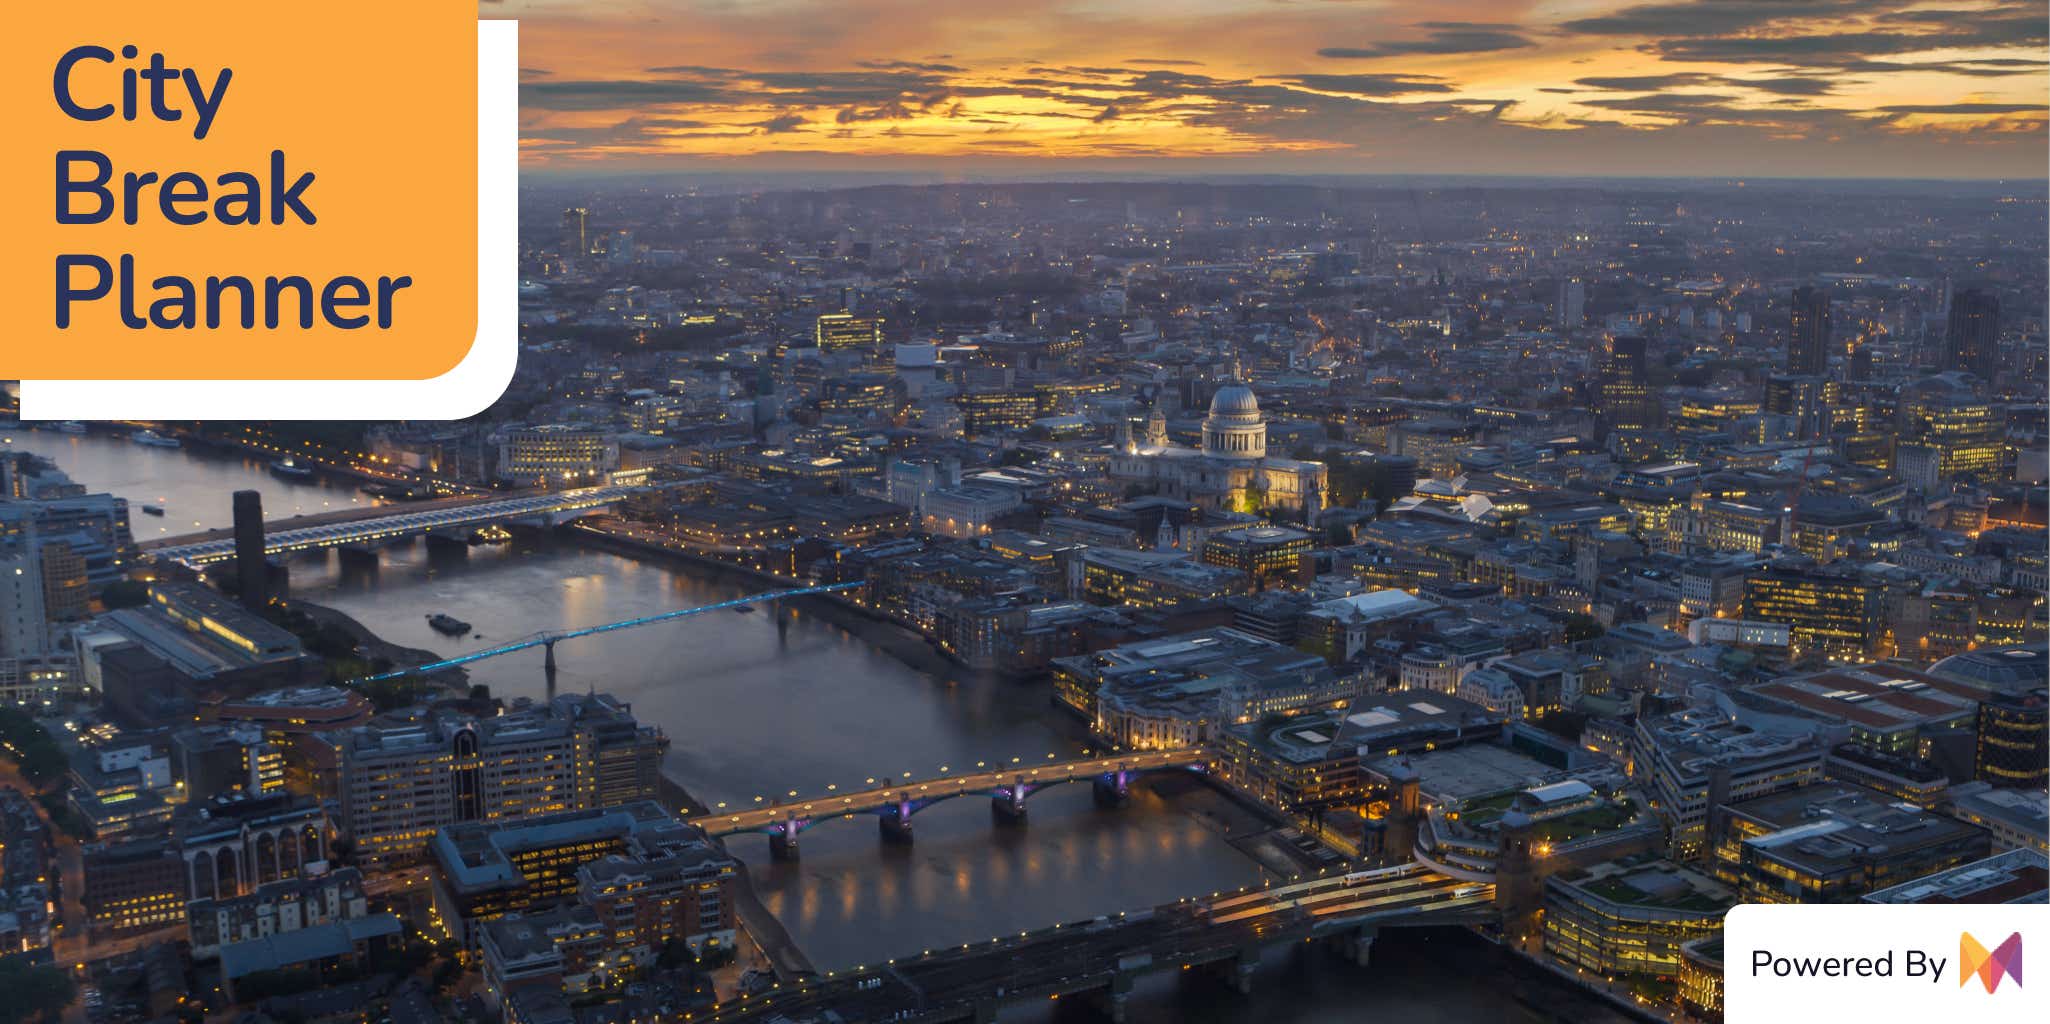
(1234, 399)
(1234, 429)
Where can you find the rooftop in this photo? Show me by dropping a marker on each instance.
(1652, 885)
(2014, 876)
(1879, 698)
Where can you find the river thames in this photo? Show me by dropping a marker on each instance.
(780, 700)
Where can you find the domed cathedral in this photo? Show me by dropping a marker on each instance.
(1231, 471)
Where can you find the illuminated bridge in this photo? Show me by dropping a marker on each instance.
(893, 801)
(547, 641)
(392, 523)
(1100, 960)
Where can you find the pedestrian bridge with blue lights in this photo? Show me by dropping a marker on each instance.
(892, 802)
(548, 640)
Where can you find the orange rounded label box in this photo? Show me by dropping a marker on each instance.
(240, 190)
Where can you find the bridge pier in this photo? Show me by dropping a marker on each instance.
(1007, 805)
(1113, 999)
(1359, 946)
(548, 657)
(1112, 789)
(783, 840)
(895, 822)
(444, 541)
(358, 554)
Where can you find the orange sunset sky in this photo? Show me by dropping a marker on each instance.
(1868, 88)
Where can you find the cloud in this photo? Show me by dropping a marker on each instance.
(906, 65)
(1370, 85)
(1991, 67)
(1791, 85)
(1646, 83)
(611, 95)
(1441, 38)
(1965, 108)
(1764, 69)
(1714, 17)
(1841, 48)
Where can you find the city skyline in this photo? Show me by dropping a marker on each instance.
(1808, 88)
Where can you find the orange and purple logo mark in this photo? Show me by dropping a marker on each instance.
(2005, 959)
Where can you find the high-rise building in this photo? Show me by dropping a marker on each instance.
(250, 570)
(576, 231)
(1624, 399)
(24, 621)
(67, 588)
(2014, 740)
(1808, 332)
(1571, 307)
(1972, 342)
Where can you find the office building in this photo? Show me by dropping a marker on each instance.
(1947, 432)
(1693, 761)
(1884, 707)
(134, 886)
(1153, 579)
(1631, 917)
(1808, 332)
(1266, 554)
(1701, 978)
(406, 775)
(2018, 819)
(651, 877)
(187, 647)
(2014, 740)
(1829, 615)
(835, 331)
(2011, 876)
(556, 455)
(1173, 691)
(1972, 341)
(1570, 309)
(1623, 389)
(1313, 759)
(1833, 843)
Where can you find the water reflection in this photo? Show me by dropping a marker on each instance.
(192, 486)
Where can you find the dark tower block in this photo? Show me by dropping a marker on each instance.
(251, 574)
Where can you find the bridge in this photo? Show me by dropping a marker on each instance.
(548, 640)
(391, 523)
(1100, 960)
(893, 802)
